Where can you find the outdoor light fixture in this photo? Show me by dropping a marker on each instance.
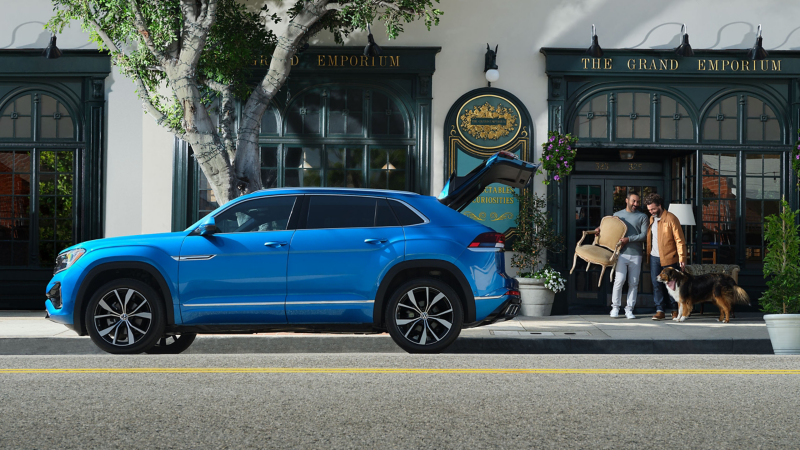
(627, 154)
(372, 49)
(684, 213)
(388, 166)
(594, 50)
(757, 53)
(490, 65)
(684, 49)
(52, 52)
(305, 164)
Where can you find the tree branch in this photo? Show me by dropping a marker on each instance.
(140, 25)
(226, 113)
(189, 10)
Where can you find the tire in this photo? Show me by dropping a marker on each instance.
(420, 320)
(125, 316)
(172, 344)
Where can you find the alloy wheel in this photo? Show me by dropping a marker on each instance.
(424, 315)
(123, 317)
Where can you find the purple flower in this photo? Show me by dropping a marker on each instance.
(798, 147)
(569, 148)
(548, 158)
(550, 147)
(797, 157)
(566, 164)
(560, 142)
(552, 138)
(562, 158)
(556, 178)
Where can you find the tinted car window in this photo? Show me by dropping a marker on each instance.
(263, 214)
(384, 217)
(338, 211)
(404, 214)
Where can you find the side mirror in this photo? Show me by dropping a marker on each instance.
(208, 228)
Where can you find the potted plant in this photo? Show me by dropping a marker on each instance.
(782, 266)
(538, 283)
(558, 156)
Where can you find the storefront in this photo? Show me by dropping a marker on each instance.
(714, 131)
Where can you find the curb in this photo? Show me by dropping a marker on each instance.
(210, 344)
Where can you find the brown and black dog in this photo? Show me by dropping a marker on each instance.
(689, 290)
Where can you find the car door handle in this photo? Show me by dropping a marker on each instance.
(275, 244)
(376, 241)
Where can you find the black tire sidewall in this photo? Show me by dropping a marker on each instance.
(179, 346)
(158, 315)
(397, 335)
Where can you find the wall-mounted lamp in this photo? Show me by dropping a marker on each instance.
(372, 49)
(684, 49)
(52, 52)
(627, 154)
(757, 53)
(490, 65)
(594, 50)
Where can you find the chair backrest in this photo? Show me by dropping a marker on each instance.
(612, 229)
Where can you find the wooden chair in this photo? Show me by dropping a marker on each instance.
(604, 250)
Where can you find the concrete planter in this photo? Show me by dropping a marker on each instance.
(536, 299)
(784, 333)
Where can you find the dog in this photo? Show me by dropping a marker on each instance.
(689, 290)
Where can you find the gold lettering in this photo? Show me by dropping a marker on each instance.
(394, 61)
(713, 65)
(745, 65)
(320, 61)
(632, 64)
(295, 60)
(653, 64)
(585, 61)
(364, 61)
(353, 58)
(642, 64)
(763, 62)
(701, 64)
(662, 64)
(673, 64)
(607, 64)
(725, 63)
(382, 60)
(776, 67)
(331, 60)
(373, 61)
(734, 65)
(595, 63)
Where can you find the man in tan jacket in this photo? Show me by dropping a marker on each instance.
(666, 247)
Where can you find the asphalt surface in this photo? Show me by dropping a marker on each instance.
(399, 401)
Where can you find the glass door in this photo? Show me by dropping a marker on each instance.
(592, 199)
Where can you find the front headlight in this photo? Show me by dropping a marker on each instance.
(66, 259)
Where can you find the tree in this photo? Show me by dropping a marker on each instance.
(201, 53)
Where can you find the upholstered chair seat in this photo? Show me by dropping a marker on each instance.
(605, 248)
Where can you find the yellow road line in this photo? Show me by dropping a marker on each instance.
(331, 370)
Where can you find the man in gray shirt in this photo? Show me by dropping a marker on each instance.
(629, 264)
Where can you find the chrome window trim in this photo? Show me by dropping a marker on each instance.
(413, 209)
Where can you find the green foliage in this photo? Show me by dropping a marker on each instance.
(796, 161)
(558, 156)
(535, 234)
(782, 262)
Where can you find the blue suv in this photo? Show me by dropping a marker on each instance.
(302, 259)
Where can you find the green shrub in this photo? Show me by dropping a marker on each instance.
(782, 262)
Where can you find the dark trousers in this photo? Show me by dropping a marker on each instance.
(660, 289)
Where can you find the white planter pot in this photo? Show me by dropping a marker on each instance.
(536, 299)
(784, 333)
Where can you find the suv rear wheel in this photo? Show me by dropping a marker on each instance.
(172, 344)
(125, 316)
(424, 316)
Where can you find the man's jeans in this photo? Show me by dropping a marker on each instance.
(628, 266)
(660, 289)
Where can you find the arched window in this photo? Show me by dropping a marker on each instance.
(592, 120)
(633, 115)
(674, 120)
(720, 123)
(761, 123)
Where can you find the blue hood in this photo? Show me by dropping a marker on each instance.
(167, 242)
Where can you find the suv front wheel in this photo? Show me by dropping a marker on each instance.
(424, 316)
(125, 316)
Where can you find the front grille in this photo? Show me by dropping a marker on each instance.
(54, 294)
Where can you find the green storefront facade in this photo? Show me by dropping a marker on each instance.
(714, 130)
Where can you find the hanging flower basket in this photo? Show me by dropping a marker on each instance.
(558, 156)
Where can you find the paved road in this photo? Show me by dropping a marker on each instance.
(399, 401)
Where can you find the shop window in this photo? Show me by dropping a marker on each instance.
(387, 168)
(761, 123)
(719, 235)
(15, 207)
(592, 120)
(633, 115)
(674, 120)
(16, 120)
(346, 111)
(721, 122)
(386, 116)
(270, 121)
(345, 167)
(684, 191)
(55, 121)
(304, 115)
(763, 181)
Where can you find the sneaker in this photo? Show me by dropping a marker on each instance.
(629, 315)
(614, 312)
(659, 316)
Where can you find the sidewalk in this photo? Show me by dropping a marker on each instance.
(29, 333)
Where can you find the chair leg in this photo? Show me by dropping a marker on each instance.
(602, 272)
(588, 264)
(574, 262)
(611, 274)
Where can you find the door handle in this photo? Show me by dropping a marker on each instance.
(376, 241)
(275, 244)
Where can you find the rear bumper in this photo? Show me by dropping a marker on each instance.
(507, 310)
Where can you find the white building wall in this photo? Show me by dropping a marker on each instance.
(139, 153)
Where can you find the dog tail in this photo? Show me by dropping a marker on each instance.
(740, 296)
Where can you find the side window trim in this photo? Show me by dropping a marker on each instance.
(413, 209)
(298, 198)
